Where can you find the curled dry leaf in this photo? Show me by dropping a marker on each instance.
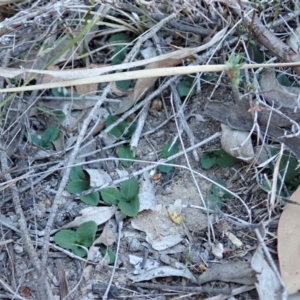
(237, 143)
(239, 272)
(97, 214)
(143, 85)
(274, 92)
(109, 235)
(164, 271)
(288, 244)
(162, 233)
(98, 177)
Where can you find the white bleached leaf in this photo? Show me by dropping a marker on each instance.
(97, 214)
(268, 285)
(163, 272)
(98, 177)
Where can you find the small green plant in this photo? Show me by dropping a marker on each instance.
(126, 198)
(54, 114)
(78, 240)
(219, 157)
(123, 129)
(217, 195)
(233, 69)
(284, 80)
(111, 255)
(62, 92)
(167, 151)
(254, 52)
(79, 183)
(186, 87)
(288, 169)
(119, 43)
(124, 151)
(46, 139)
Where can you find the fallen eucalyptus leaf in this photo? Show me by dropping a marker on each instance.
(97, 214)
(238, 272)
(273, 91)
(268, 285)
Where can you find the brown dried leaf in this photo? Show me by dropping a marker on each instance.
(289, 244)
(143, 85)
(86, 89)
(239, 272)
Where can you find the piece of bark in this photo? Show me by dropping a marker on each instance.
(238, 272)
(237, 116)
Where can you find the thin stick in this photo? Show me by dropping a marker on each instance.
(116, 260)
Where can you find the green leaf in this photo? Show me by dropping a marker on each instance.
(77, 186)
(255, 54)
(32, 138)
(286, 160)
(186, 87)
(91, 199)
(59, 115)
(122, 129)
(80, 251)
(111, 255)
(119, 38)
(125, 152)
(123, 85)
(86, 233)
(45, 145)
(166, 169)
(65, 238)
(110, 195)
(208, 159)
(130, 208)
(129, 130)
(168, 151)
(212, 201)
(283, 80)
(129, 188)
(266, 185)
(118, 55)
(77, 173)
(224, 159)
(220, 192)
(59, 92)
(50, 134)
(118, 130)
